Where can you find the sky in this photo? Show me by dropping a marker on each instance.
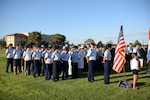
(78, 20)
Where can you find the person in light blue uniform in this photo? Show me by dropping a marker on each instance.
(32, 63)
(56, 63)
(65, 65)
(9, 58)
(43, 51)
(48, 63)
(37, 61)
(27, 58)
(74, 62)
(107, 63)
(91, 60)
(22, 60)
(17, 54)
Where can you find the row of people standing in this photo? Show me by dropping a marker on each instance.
(55, 60)
(47, 58)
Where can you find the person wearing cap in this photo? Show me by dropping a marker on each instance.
(69, 61)
(36, 57)
(74, 62)
(65, 65)
(9, 58)
(91, 60)
(27, 58)
(81, 55)
(135, 67)
(107, 63)
(43, 51)
(22, 60)
(17, 54)
(48, 63)
(56, 63)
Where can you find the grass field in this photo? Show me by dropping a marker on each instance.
(20, 87)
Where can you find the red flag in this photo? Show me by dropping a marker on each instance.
(119, 59)
(148, 55)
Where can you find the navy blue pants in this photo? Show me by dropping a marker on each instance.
(37, 65)
(65, 67)
(28, 63)
(91, 65)
(107, 66)
(32, 64)
(74, 70)
(48, 71)
(56, 67)
(9, 61)
(43, 68)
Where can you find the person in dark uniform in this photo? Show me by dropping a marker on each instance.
(91, 60)
(43, 51)
(107, 63)
(9, 60)
(65, 65)
(74, 62)
(37, 61)
(56, 63)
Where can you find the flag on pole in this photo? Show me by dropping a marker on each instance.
(119, 58)
(148, 56)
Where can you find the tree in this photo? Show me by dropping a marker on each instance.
(3, 42)
(35, 37)
(22, 43)
(136, 42)
(57, 39)
(88, 41)
(100, 44)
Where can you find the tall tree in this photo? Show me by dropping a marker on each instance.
(35, 37)
(3, 42)
(57, 39)
(136, 42)
(88, 41)
(100, 44)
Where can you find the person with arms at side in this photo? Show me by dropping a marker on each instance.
(43, 51)
(91, 60)
(9, 60)
(65, 65)
(107, 63)
(56, 63)
(36, 57)
(74, 62)
(17, 54)
(27, 58)
(135, 67)
(81, 56)
(48, 63)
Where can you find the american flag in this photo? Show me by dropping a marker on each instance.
(119, 58)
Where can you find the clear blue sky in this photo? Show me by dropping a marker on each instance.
(78, 20)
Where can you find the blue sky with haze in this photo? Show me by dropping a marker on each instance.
(78, 20)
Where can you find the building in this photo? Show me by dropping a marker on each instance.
(24, 37)
(15, 39)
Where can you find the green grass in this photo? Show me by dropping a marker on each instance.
(20, 87)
